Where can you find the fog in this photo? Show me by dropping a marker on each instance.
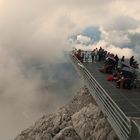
(36, 76)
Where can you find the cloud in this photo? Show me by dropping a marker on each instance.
(83, 39)
(31, 49)
(127, 52)
(122, 23)
(93, 32)
(117, 38)
(30, 89)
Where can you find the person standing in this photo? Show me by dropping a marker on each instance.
(131, 61)
(117, 59)
(100, 53)
(122, 59)
(120, 63)
(96, 55)
(93, 55)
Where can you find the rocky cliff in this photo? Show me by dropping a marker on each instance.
(81, 119)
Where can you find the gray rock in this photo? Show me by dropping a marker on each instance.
(81, 119)
(67, 133)
(85, 121)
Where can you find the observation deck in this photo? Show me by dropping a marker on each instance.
(120, 106)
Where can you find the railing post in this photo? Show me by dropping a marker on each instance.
(135, 131)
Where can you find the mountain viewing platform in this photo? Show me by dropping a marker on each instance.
(120, 106)
(127, 100)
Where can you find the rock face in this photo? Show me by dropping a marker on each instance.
(81, 119)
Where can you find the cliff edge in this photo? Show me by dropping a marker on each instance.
(81, 119)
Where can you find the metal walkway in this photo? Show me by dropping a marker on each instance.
(127, 100)
(120, 106)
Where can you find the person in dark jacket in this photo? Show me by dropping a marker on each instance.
(117, 59)
(122, 59)
(131, 61)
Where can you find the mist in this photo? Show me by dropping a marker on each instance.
(36, 76)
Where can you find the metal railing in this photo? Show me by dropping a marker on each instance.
(117, 119)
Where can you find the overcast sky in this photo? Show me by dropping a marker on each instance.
(36, 32)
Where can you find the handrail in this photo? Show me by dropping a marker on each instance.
(118, 120)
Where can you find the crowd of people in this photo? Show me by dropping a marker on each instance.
(122, 70)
